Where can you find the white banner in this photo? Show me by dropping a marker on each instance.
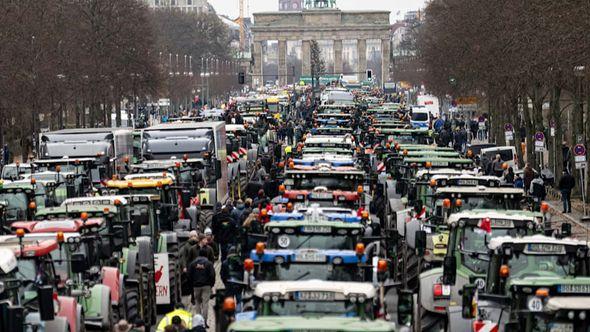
(162, 278)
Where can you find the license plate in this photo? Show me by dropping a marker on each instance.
(314, 296)
(582, 289)
(467, 182)
(310, 257)
(317, 229)
(561, 327)
(321, 195)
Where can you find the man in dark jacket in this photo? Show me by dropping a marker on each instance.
(225, 231)
(188, 253)
(566, 185)
(202, 277)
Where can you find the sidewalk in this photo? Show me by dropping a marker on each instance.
(580, 229)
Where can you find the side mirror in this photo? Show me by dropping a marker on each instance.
(45, 299)
(449, 270)
(420, 243)
(469, 303)
(405, 307)
(79, 263)
(217, 169)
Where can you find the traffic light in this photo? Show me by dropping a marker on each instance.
(241, 78)
(369, 74)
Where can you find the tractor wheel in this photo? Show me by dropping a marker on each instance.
(205, 218)
(174, 272)
(132, 305)
(149, 297)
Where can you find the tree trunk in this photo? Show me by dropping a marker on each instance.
(556, 160)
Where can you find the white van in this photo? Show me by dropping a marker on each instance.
(507, 153)
(421, 117)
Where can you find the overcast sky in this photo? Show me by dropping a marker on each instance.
(230, 7)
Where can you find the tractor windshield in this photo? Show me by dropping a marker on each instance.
(523, 265)
(330, 181)
(309, 241)
(307, 271)
(314, 308)
(15, 205)
(473, 246)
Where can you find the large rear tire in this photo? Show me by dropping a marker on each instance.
(132, 305)
(205, 219)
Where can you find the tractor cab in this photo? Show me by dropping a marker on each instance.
(315, 298)
(309, 324)
(534, 283)
(15, 171)
(19, 200)
(463, 252)
(59, 186)
(78, 266)
(305, 263)
(79, 171)
(145, 184)
(35, 283)
(323, 178)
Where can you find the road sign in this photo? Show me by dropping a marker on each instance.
(539, 142)
(579, 150)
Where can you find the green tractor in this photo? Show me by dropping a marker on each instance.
(142, 213)
(133, 256)
(533, 283)
(465, 257)
(77, 264)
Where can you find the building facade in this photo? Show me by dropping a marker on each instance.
(290, 5)
(199, 6)
(362, 35)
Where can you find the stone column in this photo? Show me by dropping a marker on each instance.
(306, 58)
(361, 45)
(257, 79)
(385, 56)
(338, 57)
(282, 62)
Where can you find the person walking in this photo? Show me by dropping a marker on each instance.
(202, 278)
(566, 185)
(537, 191)
(188, 253)
(225, 232)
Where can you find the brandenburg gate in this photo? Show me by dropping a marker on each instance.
(320, 21)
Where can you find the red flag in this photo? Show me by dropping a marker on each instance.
(485, 225)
